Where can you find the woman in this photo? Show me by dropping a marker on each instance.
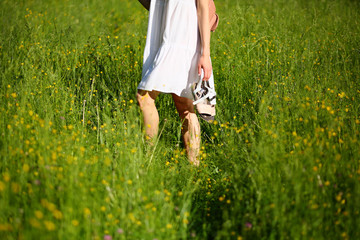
(177, 50)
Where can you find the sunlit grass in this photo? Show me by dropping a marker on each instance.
(281, 161)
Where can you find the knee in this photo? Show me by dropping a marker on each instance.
(142, 99)
(146, 99)
(139, 98)
(189, 117)
(184, 114)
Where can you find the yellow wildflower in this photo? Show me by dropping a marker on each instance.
(57, 214)
(50, 226)
(39, 214)
(2, 186)
(26, 167)
(87, 211)
(6, 177)
(15, 187)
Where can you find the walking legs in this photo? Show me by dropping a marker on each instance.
(190, 124)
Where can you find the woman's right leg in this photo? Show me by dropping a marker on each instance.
(190, 127)
(146, 102)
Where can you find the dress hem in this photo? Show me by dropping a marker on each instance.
(165, 92)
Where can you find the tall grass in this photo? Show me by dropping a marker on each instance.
(281, 161)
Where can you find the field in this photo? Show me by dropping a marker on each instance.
(281, 161)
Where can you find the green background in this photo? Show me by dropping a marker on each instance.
(281, 161)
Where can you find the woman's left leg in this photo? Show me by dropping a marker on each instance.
(146, 101)
(190, 127)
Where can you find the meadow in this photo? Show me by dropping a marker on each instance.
(281, 161)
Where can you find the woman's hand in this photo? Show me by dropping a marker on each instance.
(205, 64)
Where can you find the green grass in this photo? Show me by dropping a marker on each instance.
(281, 161)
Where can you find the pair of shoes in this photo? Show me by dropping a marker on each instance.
(205, 99)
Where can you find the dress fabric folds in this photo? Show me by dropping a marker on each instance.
(173, 48)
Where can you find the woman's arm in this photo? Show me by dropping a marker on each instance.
(204, 27)
(145, 3)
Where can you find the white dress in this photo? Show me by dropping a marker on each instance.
(173, 48)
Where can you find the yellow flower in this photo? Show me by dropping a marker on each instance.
(2, 186)
(6, 177)
(35, 223)
(51, 207)
(338, 197)
(149, 205)
(39, 214)
(57, 214)
(168, 226)
(50, 226)
(107, 161)
(26, 168)
(5, 227)
(75, 222)
(87, 211)
(104, 182)
(287, 99)
(15, 187)
(131, 217)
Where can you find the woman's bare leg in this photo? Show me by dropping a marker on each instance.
(146, 102)
(190, 128)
